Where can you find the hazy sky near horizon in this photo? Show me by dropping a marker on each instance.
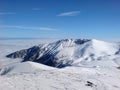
(60, 19)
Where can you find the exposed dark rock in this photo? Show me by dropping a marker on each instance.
(17, 54)
(81, 41)
(118, 67)
(5, 70)
(118, 52)
(89, 84)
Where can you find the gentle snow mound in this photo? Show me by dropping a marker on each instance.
(27, 67)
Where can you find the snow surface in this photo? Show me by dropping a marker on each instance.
(102, 73)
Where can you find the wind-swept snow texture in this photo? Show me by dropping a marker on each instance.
(88, 65)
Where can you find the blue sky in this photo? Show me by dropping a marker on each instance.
(60, 19)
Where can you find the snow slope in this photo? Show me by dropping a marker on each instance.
(95, 66)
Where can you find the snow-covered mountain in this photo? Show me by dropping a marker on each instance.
(68, 52)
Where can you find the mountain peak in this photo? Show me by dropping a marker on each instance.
(74, 41)
(66, 51)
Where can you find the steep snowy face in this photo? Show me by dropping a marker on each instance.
(67, 52)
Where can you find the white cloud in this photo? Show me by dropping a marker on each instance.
(31, 28)
(72, 13)
(6, 13)
(36, 9)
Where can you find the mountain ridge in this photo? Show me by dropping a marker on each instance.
(67, 52)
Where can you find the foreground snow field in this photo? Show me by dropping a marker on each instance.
(93, 73)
